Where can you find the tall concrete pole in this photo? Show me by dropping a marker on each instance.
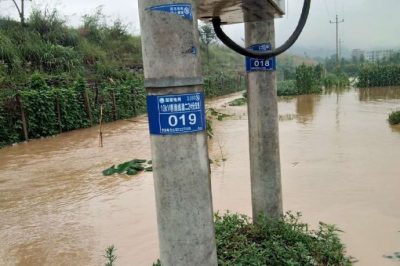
(263, 128)
(337, 22)
(181, 170)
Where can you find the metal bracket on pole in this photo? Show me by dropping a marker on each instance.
(216, 21)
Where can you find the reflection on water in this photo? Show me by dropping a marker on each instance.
(340, 165)
(379, 94)
(395, 128)
(305, 107)
(336, 90)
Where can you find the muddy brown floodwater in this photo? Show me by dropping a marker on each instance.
(340, 165)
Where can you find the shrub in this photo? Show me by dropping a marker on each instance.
(374, 75)
(276, 241)
(308, 79)
(332, 80)
(282, 241)
(287, 88)
(394, 118)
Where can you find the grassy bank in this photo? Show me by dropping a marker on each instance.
(55, 78)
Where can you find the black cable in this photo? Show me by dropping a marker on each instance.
(263, 55)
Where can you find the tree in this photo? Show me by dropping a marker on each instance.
(207, 36)
(21, 9)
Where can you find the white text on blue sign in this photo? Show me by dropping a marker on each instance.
(176, 114)
(255, 64)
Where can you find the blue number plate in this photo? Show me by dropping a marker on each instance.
(176, 114)
(182, 10)
(254, 64)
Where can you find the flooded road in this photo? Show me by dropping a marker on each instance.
(340, 164)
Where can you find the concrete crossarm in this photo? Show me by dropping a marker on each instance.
(232, 11)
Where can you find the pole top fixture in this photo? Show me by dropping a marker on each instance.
(238, 11)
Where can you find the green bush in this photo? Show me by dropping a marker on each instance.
(332, 80)
(283, 241)
(374, 75)
(287, 88)
(308, 79)
(276, 241)
(394, 118)
(222, 83)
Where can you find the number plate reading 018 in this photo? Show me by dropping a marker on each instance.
(254, 64)
(176, 114)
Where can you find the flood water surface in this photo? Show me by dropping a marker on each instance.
(340, 164)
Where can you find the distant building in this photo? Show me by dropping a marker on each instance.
(357, 54)
(377, 55)
(373, 55)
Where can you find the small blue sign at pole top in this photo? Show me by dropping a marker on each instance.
(183, 10)
(176, 114)
(254, 64)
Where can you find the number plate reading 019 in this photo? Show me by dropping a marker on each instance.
(176, 114)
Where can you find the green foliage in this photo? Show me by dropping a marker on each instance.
(130, 168)
(40, 110)
(110, 256)
(333, 80)
(281, 241)
(276, 241)
(53, 67)
(308, 79)
(220, 83)
(72, 112)
(207, 34)
(374, 75)
(394, 118)
(287, 88)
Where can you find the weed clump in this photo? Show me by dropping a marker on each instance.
(277, 241)
(394, 118)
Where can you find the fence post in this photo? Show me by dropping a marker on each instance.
(23, 117)
(58, 113)
(133, 91)
(87, 106)
(114, 105)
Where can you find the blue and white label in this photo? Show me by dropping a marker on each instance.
(254, 64)
(176, 114)
(182, 10)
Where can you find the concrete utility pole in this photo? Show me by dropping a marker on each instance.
(175, 99)
(263, 126)
(337, 22)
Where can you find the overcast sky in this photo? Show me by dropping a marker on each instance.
(368, 24)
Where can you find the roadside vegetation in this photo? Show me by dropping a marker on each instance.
(381, 73)
(374, 75)
(276, 241)
(54, 78)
